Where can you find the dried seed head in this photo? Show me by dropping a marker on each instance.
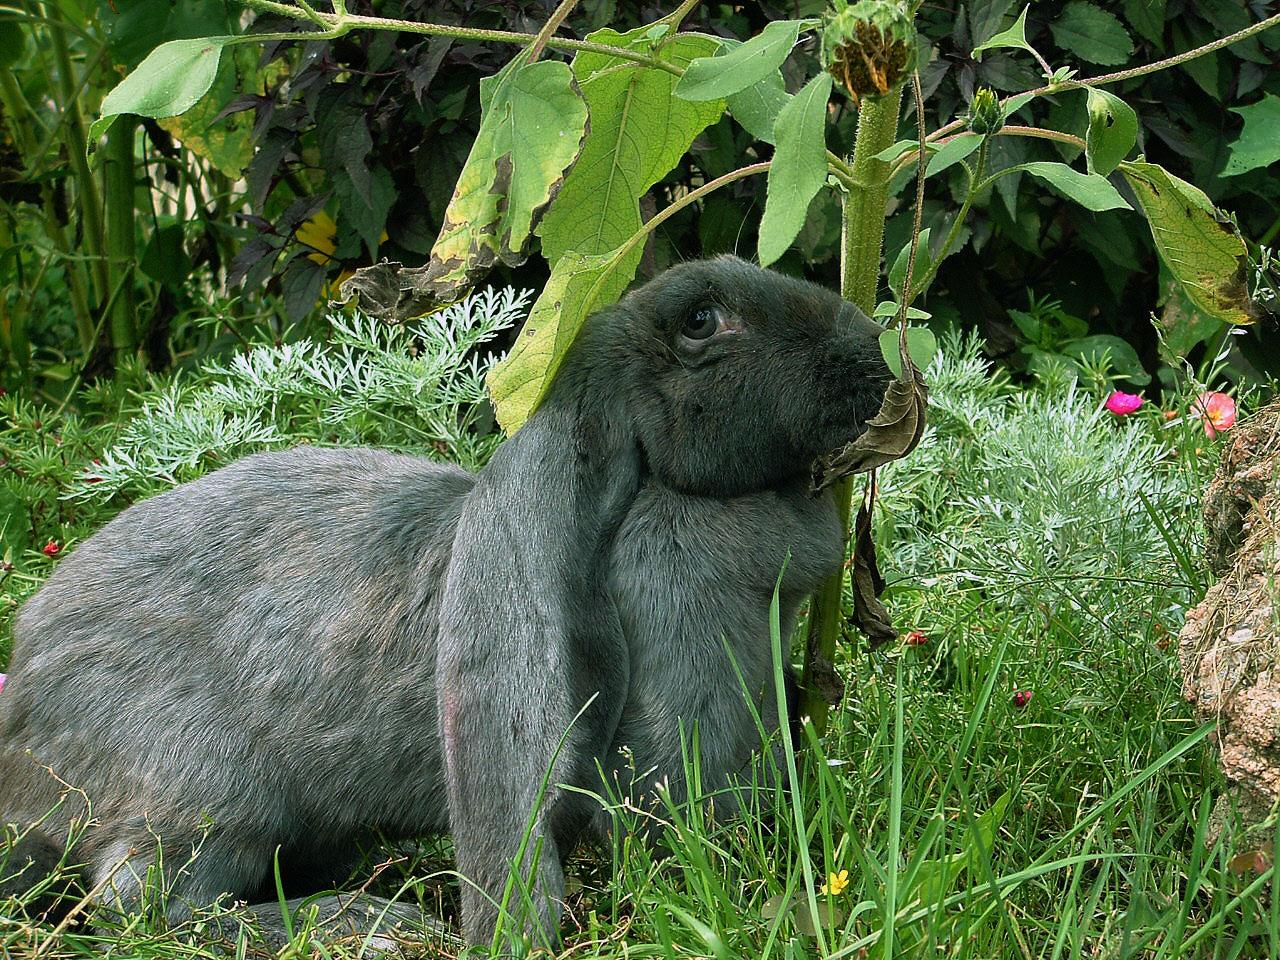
(869, 46)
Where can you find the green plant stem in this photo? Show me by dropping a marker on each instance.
(862, 237)
(676, 16)
(865, 204)
(1011, 130)
(1142, 71)
(549, 28)
(976, 186)
(74, 138)
(118, 187)
(354, 21)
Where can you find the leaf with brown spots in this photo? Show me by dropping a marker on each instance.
(1202, 248)
(531, 131)
(892, 433)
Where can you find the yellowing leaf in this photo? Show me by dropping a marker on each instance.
(1201, 247)
(227, 143)
(579, 284)
(530, 133)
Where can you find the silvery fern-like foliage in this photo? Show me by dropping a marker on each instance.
(1021, 487)
(417, 387)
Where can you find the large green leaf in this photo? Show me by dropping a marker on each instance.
(1259, 142)
(1201, 247)
(173, 77)
(1113, 130)
(798, 170)
(742, 66)
(638, 132)
(1147, 17)
(1015, 37)
(1089, 190)
(757, 108)
(531, 128)
(1092, 34)
(579, 284)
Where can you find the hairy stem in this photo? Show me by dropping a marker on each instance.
(354, 21)
(862, 237)
(549, 28)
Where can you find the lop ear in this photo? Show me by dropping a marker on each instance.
(528, 636)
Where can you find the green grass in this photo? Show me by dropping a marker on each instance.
(1040, 544)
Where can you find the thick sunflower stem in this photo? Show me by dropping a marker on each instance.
(863, 236)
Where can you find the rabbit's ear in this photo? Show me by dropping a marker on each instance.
(529, 639)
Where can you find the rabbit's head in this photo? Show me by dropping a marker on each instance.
(742, 377)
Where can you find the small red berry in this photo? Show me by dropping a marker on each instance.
(1021, 698)
(51, 549)
(917, 638)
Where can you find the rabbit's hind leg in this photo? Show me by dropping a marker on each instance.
(175, 877)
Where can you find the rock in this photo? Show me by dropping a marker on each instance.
(1229, 647)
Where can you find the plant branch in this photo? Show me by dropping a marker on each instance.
(1041, 133)
(354, 21)
(976, 186)
(1177, 59)
(862, 235)
(549, 28)
(1012, 130)
(1142, 71)
(908, 285)
(695, 195)
(842, 170)
(676, 16)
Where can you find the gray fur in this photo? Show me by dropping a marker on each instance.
(307, 647)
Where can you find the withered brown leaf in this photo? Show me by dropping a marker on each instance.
(869, 614)
(892, 433)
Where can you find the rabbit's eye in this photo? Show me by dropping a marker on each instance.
(701, 324)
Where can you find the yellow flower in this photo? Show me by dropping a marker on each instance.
(321, 234)
(836, 882)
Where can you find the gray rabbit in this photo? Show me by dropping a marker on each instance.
(308, 647)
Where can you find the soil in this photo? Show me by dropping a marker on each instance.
(1229, 647)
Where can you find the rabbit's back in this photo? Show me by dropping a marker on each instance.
(259, 643)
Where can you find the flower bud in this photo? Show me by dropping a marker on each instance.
(985, 116)
(869, 46)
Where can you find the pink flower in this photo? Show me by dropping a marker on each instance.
(1217, 410)
(51, 549)
(1021, 698)
(917, 638)
(2, 680)
(1123, 404)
